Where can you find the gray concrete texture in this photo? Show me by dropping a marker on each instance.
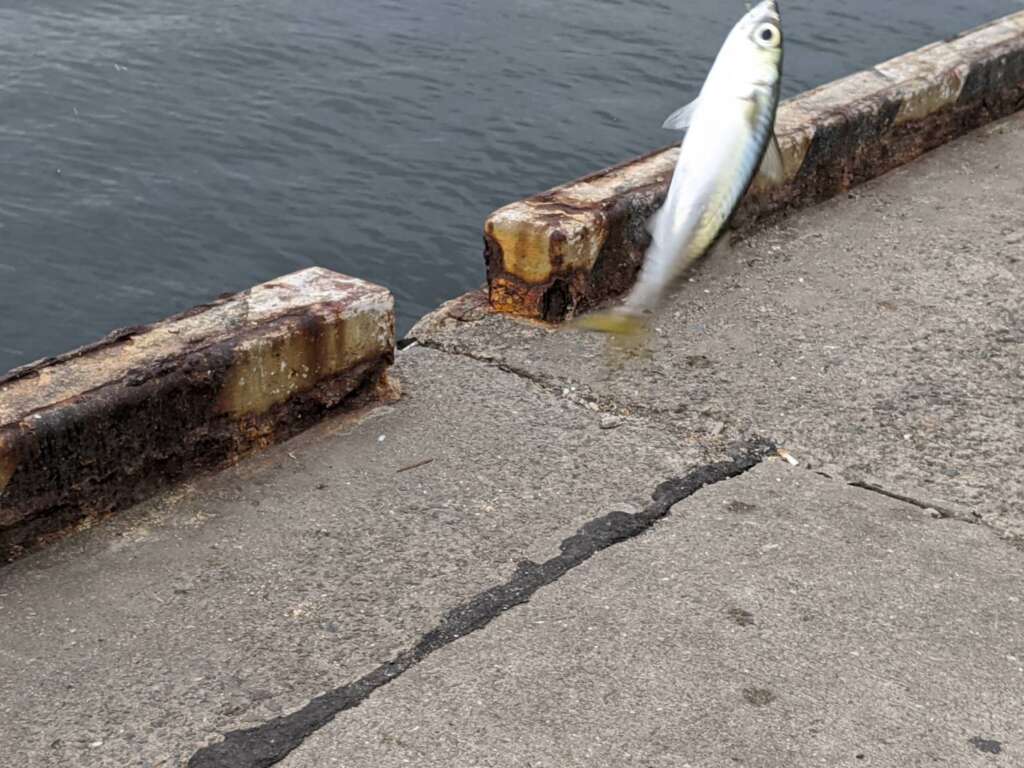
(781, 619)
(241, 596)
(777, 620)
(879, 337)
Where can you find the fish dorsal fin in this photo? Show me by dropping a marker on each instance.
(680, 119)
(772, 168)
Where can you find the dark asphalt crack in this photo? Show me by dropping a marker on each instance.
(271, 742)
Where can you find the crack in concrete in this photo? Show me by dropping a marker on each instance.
(551, 385)
(548, 385)
(269, 743)
(943, 513)
(580, 394)
(940, 512)
(562, 388)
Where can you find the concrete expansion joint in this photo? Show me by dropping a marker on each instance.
(269, 743)
(548, 384)
(578, 394)
(563, 389)
(937, 511)
(566, 390)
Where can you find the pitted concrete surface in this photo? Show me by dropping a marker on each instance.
(776, 620)
(244, 595)
(879, 337)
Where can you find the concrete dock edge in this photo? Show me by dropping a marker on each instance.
(570, 248)
(105, 426)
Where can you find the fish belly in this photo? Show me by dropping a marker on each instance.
(716, 164)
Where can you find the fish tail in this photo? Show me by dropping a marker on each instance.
(629, 334)
(623, 324)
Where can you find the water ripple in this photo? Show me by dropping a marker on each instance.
(155, 155)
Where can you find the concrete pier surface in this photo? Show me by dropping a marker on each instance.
(535, 560)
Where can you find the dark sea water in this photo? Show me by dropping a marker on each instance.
(154, 154)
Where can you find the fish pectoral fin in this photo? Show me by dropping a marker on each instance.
(772, 167)
(680, 119)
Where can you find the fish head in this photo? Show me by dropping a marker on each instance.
(755, 43)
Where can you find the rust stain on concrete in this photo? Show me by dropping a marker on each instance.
(269, 371)
(523, 246)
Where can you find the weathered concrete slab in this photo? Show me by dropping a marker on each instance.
(879, 337)
(241, 596)
(775, 620)
(569, 248)
(105, 426)
(779, 620)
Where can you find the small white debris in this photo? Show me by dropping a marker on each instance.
(788, 457)
(611, 422)
(907, 436)
(96, 744)
(382, 438)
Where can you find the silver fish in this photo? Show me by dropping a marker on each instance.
(729, 137)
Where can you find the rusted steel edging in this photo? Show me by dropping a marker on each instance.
(106, 426)
(562, 251)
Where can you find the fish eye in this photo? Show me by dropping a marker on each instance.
(767, 35)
